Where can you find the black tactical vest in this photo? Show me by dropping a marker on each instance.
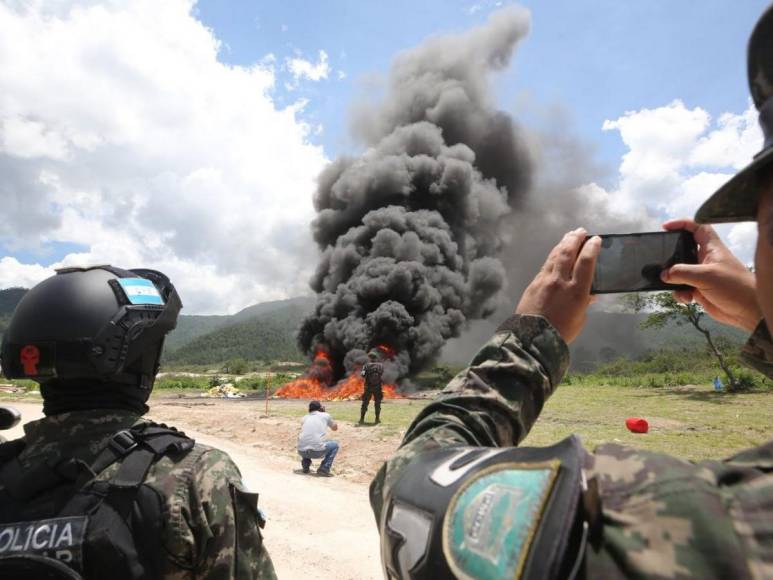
(57, 521)
(372, 373)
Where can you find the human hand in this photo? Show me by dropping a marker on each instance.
(561, 290)
(721, 284)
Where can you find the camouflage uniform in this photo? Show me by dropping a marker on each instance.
(372, 371)
(660, 516)
(211, 531)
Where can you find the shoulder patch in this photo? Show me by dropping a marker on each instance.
(492, 518)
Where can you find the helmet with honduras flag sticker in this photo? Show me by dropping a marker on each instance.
(98, 323)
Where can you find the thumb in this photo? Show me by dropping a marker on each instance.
(690, 274)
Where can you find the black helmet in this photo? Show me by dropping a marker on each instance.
(736, 200)
(101, 323)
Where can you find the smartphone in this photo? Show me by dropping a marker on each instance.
(633, 262)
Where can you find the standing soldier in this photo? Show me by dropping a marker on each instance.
(93, 490)
(372, 371)
(460, 499)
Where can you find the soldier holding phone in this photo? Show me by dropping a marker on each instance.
(460, 499)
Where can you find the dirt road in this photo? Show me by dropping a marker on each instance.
(318, 528)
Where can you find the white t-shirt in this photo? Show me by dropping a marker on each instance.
(313, 429)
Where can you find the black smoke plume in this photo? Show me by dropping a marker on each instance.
(410, 231)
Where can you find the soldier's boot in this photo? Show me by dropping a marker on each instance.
(363, 410)
(378, 412)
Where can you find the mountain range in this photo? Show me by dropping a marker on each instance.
(266, 332)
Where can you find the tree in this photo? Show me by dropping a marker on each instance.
(608, 354)
(236, 366)
(663, 308)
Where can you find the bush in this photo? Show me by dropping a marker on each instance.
(182, 382)
(236, 366)
(746, 380)
(274, 382)
(254, 383)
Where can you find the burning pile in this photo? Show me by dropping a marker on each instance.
(318, 381)
(410, 230)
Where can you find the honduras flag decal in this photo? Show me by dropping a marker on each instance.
(140, 291)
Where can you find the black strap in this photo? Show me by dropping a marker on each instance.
(139, 447)
(151, 442)
(120, 444)
(129, 443)
(23, 484)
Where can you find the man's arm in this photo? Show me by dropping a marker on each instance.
(493, 402)
(497, 399)
(726, 290)
(226, 523)
(331, 423)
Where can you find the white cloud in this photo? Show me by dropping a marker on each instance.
(741, 237)
(122, 131)
(732, 145)
(676, 158)
(302, 69)
(29, 139)
(15, 274)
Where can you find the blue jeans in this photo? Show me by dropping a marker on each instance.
(328, 454)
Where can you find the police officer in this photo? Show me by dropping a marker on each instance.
(92, 490)
(373, 371)
(458, 499)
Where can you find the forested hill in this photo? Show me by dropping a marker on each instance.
(268, 336)
(265, 330)
(192, 326)
(9, 298)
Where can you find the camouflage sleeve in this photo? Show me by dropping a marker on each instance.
(757, 353)
(226, 523)
(493, 402)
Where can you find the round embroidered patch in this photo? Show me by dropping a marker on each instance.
(492, 518)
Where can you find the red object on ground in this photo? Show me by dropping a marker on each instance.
(637, 425)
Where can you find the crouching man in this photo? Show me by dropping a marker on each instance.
(312, 442)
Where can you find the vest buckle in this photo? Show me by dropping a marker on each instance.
(123, 442)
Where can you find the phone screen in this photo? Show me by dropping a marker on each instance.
(633, 262)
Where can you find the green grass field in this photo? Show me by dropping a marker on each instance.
(691, 422)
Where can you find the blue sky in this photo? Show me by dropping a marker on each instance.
(196, 147)
(596, 59)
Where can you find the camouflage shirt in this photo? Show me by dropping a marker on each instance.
(660, 516)
(207, 533)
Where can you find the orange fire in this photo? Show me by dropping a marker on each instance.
(349, 389)
(353, 386)
(316, 383)
(387, 350)
(322, 356)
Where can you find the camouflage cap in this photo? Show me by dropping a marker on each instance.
(736, 200)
